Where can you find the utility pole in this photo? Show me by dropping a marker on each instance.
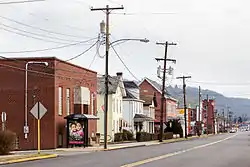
(214, 121)
(199, 104)
(107, 10)
(163, 84)
(227, 116)
(207, 113)
(224, 120)
(184, 99)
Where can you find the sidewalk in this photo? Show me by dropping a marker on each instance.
(21, 156)
(15, 158)
(64, 151)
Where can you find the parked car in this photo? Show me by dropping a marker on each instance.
(232, 130)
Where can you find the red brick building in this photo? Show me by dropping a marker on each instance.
(55, 86)
(150, 88)
(208, 121)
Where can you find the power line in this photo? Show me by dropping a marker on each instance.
(47, 49)
(149, 13)
(82, 52)
(41, 35)
(223, 84)
(41, 29)
(14, 2)
(28, 36)
(68, 26)
(124, 63)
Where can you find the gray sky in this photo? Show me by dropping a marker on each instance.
(212, 37)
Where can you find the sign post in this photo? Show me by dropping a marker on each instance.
(3, 116)
(38, 129)
(38, 112)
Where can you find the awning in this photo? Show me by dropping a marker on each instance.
(142, 118)
(81, 116)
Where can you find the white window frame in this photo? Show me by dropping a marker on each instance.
(92, 103)
(68, 101)
(60, 101)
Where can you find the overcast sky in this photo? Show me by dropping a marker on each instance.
(212, 36)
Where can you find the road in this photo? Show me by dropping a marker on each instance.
(227, 150)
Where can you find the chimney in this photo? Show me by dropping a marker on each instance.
(119, 74)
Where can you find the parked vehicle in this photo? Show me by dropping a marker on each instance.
(233, 130)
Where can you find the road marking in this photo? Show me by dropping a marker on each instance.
(174, 153)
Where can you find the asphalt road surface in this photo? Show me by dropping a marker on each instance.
(228, 150)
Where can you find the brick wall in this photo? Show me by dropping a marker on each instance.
(43, 88)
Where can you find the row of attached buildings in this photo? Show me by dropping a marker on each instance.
(67, 92)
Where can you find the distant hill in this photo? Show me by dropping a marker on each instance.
(239, 106)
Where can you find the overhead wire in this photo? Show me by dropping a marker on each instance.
(124, 63)
(68, 26)
(28, 36)
(15, 2)
(38, 28)
(48, 49)
(223, 84)
(145, 13)
(72, 58)
(37, 34)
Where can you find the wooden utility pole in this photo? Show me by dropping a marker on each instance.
(184, 99)
(163, 84)
(107, 10)
(199, 119)
(224, 121)
(207, 112)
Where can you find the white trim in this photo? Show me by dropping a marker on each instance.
(130, 99)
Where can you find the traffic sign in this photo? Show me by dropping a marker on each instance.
(26, 129)
(38, 111)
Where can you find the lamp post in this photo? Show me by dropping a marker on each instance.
(26, 128)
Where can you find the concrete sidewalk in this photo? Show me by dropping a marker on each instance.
(22, 156)
(81, 150)
(16, 158)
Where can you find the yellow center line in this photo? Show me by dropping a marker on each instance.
(174, 153)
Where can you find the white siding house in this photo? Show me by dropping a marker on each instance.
(134, 114)
(115, 105)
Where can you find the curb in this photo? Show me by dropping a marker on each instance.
(121, 148)
(29, 159)
(152, 144)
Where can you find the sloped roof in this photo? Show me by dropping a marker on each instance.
(130, 84)
(113, 84)
(158, 87)
(129, 95)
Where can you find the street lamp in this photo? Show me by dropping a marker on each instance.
(26, 128)
(145, 40)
